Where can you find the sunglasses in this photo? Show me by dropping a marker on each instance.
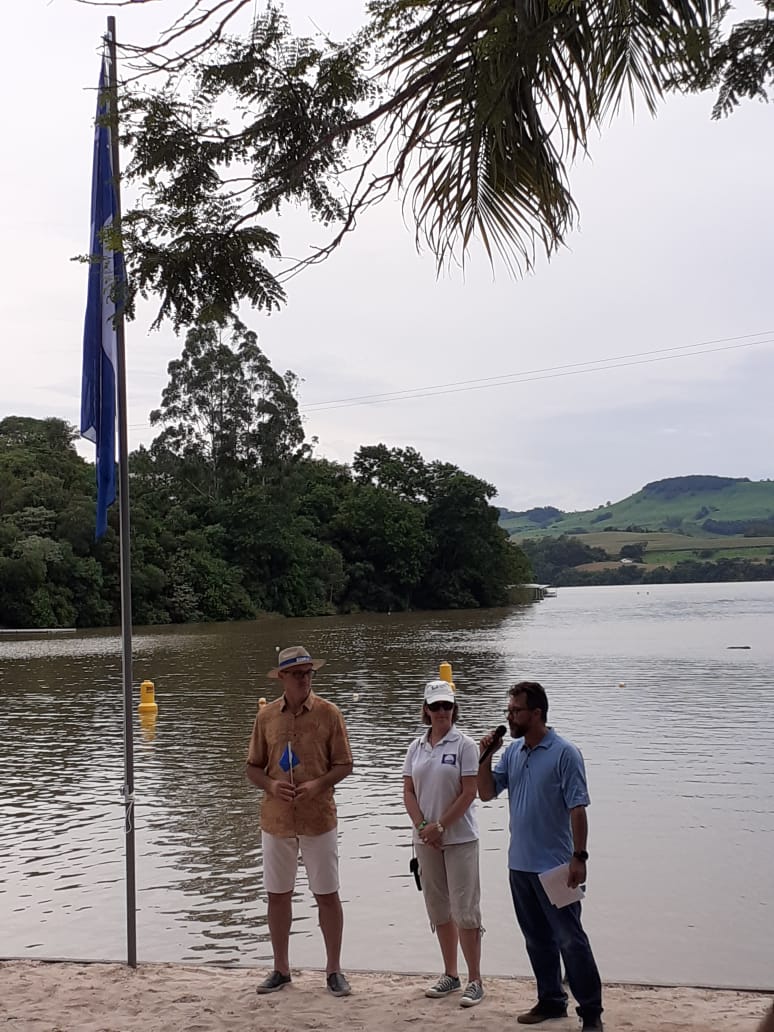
(435, 706)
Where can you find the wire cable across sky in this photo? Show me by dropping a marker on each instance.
(549, 372)
(707, 347)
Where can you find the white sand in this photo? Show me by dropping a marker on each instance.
(69, 997)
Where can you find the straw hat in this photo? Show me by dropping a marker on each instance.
(294, 656)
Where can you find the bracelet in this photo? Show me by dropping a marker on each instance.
(422, 824)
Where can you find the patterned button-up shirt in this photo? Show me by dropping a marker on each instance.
(318, 739)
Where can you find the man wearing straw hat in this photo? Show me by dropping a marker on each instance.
(298, 751)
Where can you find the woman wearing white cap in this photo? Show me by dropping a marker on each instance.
(439, 791)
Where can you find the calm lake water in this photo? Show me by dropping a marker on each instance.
(677, 729)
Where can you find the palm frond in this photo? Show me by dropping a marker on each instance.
(500, 96)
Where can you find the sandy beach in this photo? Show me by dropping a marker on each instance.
(69, 997)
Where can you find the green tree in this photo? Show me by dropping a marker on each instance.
(472, 561)
(468, 560)
(48, 574)
(481, 105)
(268, 540)
(742, 64)
(227, 415)
(382, 538)
(552, 557)
(402, 471)
(634, 551)
(322, 486)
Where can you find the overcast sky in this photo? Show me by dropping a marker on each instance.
(673, 250)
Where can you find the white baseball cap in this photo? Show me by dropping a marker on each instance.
(439, 691)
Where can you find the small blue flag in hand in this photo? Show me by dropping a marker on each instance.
(106, 286)
(288, 760)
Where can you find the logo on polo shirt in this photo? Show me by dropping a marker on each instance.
(450, 758)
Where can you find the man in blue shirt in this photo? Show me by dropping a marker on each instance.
(547, 795)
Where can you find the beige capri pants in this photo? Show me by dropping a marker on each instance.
(451, 884)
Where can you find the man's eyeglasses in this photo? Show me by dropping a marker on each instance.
(299, 675)
(513, 710)
(435, 706)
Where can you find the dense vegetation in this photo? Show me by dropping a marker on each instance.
(551, 557)
(570, 561)
(691, 505)
(232, 515)
(687, 571)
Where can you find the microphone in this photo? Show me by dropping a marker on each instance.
(499, 734)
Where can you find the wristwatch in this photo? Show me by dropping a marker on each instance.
(440, 827)
(581, 854)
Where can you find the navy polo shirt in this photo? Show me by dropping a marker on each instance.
(543, 784)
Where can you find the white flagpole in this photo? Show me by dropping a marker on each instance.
(125, 553)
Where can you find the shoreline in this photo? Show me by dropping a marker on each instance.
(102, 996)
(255, 967)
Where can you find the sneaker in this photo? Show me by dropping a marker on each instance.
(273, 982)
(592, 1024)
(542, 1012)
(474, 993)
(338, 985)
(446, 984)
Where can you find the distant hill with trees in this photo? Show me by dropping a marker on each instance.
(696, 505)
(681, 529)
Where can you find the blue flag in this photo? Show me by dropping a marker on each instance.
(106, 285)
(288, 759)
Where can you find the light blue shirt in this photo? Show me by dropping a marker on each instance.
(543, 784)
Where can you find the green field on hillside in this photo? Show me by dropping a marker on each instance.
(612, 542)
(667, 549)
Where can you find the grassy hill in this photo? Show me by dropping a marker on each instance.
(719, 511)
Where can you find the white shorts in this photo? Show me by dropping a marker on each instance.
(320, 855)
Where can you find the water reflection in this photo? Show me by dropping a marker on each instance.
(676, 729)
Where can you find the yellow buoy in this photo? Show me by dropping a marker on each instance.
(445, 674)
(147, 698)
(261, 702)
(148, 725)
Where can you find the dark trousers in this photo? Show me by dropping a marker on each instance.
(550, 933)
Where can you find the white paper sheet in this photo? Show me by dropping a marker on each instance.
(555, 884)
